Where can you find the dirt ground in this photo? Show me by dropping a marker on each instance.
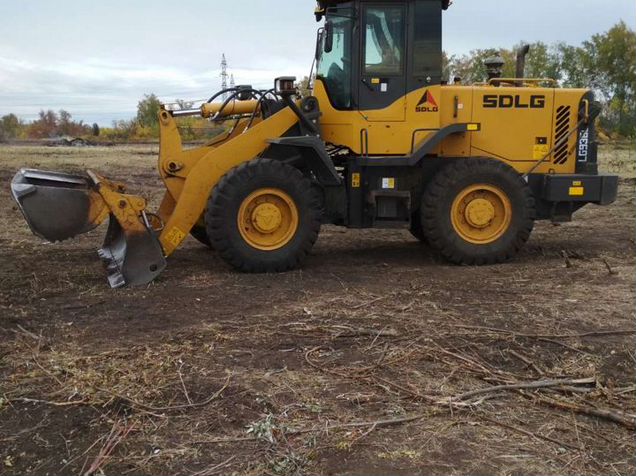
(375, 358)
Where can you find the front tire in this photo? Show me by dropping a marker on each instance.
(200, 234)
(264, 216)
(478, 212)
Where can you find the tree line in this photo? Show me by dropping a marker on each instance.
(144, 126)
(605, 63)
(49, 124)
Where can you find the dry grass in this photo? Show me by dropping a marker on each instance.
(375, 358)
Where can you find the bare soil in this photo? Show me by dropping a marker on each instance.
(359, 363)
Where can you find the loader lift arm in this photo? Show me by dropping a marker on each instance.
(61, 206)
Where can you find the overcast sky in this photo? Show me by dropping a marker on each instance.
(96, 59)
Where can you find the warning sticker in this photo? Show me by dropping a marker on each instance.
(355, 180)
(540, 151)
(388, 183)
(175, 236)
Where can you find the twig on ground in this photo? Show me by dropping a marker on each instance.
(368, 303)
(526, 361)
(463, 358)
(529, 433)
(183, 385)
(523, 386)
(46, 402)
(563, 344)
(610, 270)
(28, 333)
(117, 434)
(369, 332)
(364, 435)
(622, 418)
(600, 333)
(174, 407)
(212, 469)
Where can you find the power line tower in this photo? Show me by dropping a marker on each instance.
(224, 76)
(232, 83)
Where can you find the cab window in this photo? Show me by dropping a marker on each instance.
(384, 45)
(334, 67)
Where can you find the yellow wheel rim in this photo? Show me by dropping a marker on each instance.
(268, 219)
(481, 214)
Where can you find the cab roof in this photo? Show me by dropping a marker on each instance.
(323, 4)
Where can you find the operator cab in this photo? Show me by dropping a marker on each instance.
(370, 55)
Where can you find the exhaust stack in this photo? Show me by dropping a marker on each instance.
(521, 63)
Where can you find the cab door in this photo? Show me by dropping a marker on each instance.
(382, 88)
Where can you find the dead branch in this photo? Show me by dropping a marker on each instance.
(625, 419)
(530, 434)
(369, 332)
(562, 344)
(610, 270)
(46, 402)
(523, 386)
(600, 333)
(526, 361)
(28, 333)
(117, 435)
(368, 303)
(174, 407)
(212, 469)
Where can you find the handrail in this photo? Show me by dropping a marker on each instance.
(522, 81)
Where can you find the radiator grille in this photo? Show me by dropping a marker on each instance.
(561, 131)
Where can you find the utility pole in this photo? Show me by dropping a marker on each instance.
(232, 83)
(224, 76)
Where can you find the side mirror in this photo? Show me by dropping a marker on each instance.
(328, 36)
(321, 33)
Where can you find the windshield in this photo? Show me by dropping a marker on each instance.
(334, 68)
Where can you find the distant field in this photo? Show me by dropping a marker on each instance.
(618, 158)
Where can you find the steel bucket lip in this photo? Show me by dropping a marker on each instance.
(62, 177)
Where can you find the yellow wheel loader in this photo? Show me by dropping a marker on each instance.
(382, 142)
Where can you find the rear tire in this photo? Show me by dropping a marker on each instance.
(416, 228)
(478, 212)
(264, 216)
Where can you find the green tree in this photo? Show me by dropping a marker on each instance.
(543, 61)
(45, 126)
(11, 126)
(304, 87)
(65, 123)
(471, 68)
(575, 63)
(148, 111)
(95, 130)
(612, 70)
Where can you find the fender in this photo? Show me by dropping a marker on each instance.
(313, 154)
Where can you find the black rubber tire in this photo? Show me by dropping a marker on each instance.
(416, 228)
(450, 181)
(225, 202)
(200, 234)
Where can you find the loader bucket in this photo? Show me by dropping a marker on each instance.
(131, 258)
(56, 206)
(60, 206)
